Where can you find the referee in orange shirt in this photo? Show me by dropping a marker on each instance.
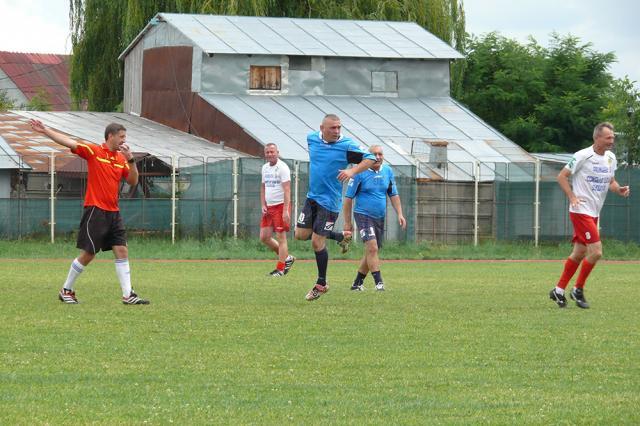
(101, 227)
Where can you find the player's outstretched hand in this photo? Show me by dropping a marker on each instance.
(37, 125)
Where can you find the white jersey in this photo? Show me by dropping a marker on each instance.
(273, 177)
(591, 175)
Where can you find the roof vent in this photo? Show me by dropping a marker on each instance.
(438, 153)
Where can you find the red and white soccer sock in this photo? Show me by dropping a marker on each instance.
(74, 272)
(124, 276)
(585, 270)
(570, 268)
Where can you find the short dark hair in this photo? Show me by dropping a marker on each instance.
(113, 129)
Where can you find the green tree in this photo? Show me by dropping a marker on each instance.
(623, 110)
(102, 29)
(6, 103)
(40, 101)
(544, 99)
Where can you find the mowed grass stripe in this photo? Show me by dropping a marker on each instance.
(223, 343)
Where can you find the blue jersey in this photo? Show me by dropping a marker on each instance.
(370, 190)
(326, 160)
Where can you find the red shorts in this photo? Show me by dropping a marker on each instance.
(273, 219)
(585, 228)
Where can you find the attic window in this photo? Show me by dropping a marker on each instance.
(264, 78)
(384, 81)
(300, 63)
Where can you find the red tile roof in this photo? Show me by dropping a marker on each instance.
(32, 71)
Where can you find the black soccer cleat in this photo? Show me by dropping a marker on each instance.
(558, 298)
(357, 287)
(276, 273)
(577, 294)
(133, 299)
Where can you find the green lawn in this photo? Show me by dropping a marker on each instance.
(221, 343)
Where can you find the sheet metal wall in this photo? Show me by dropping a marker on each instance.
(229, 74)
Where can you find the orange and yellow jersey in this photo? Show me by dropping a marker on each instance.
(106, 169)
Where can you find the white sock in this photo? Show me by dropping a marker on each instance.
(560, 291)
(124, 275)
(74, 272)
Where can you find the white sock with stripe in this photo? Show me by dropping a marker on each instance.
(74, 272)
(124, 276)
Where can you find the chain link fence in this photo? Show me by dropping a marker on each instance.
(195, 197)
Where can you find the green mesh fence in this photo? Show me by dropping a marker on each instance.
(221, 197)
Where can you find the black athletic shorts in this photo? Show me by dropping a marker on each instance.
(100, 230)
(370, 228)
(314, 216)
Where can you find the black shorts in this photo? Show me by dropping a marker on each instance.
(314, 216)
(370, 228)
(100, 230)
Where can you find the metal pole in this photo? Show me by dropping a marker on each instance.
(476, 202)
(173, 199)
(204, 196)
(536, 205)
(296, 186)
(52, 172)
(235, 197)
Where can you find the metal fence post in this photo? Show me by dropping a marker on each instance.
(476, 179)
(173, 199)
(296, 186)
(52, 203)
(235, 197)
(536, 204)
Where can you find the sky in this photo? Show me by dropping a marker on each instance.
(42, 26)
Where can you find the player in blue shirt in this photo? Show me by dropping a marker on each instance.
(329, 155)
(370, 189)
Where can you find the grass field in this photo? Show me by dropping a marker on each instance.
(475, 342)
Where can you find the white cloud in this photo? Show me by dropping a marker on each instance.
(37, 26)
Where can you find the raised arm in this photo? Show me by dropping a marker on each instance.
(57, 137)
(347, 174)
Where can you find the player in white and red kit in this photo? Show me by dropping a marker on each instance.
(275, 199)
(593, 175)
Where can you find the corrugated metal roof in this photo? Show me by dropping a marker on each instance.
(401, 125)
(9, 159)
(143, 136)
(553, 157)
(306, 37)
(32, 72)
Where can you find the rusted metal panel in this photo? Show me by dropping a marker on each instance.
(166, 86)
(211, 124)
(36, 72)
